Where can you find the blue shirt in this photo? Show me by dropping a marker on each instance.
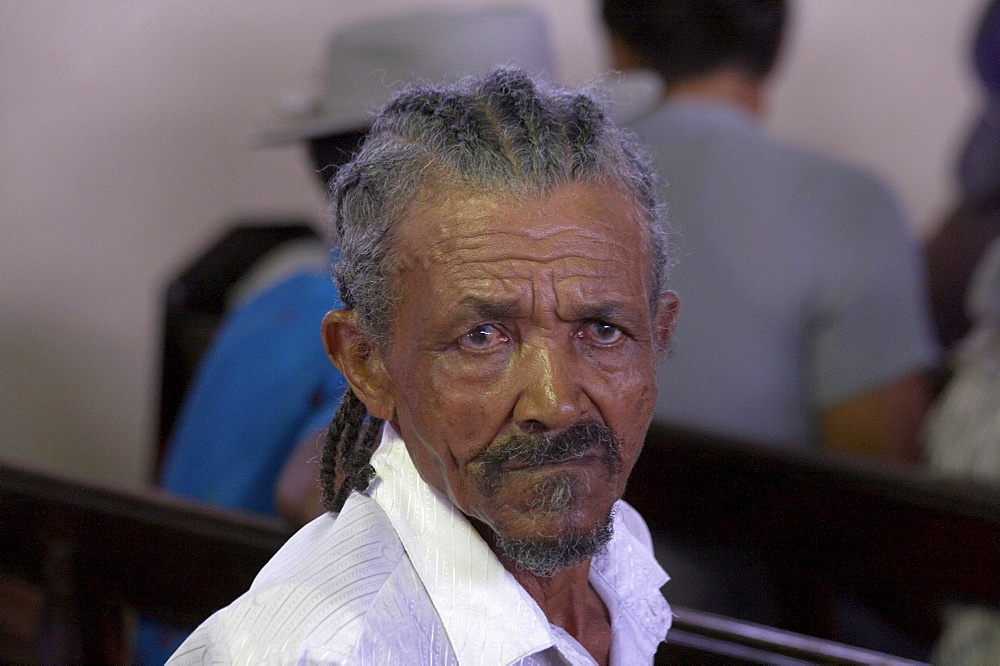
(264, 384)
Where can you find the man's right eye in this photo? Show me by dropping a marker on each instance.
(483, 337)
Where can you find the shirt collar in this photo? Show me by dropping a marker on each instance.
(464, 578)
(629, 578)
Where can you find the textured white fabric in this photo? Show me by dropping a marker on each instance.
(402, 577)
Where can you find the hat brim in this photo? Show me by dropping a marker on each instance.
(304, 130)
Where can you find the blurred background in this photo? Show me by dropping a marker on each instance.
(125, 150)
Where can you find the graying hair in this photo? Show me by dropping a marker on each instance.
(504, 134)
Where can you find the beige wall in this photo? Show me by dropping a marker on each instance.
(120, 152)
(886, 83)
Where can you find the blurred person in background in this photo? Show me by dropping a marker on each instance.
(962, 434)
(805, 321)
(805, 324)
(957, 247)
(963, 427)
(962, 439)
(249, 433)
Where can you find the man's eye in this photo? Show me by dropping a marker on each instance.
(483, 337)
(604, 333)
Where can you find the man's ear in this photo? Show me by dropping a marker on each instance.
(358, 360)
(666, 317)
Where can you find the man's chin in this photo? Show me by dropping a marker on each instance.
(546, 556)
(548, 519)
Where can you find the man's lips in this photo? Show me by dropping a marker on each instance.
(590, 455)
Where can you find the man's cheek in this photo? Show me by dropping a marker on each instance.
(646, 400)
(459, 413)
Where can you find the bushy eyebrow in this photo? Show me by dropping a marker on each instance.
(601, 312)
(485, 309)
(500, 310)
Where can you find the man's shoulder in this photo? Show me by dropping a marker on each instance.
(328, 587)
(807, 166)
(718, 132)
(818, 174)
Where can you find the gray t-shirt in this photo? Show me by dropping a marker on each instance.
(800, 285)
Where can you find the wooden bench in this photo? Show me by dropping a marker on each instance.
(94, 553)
(901, 539)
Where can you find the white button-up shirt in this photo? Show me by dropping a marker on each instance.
(402, 577)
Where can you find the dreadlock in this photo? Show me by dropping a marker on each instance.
(346, 461)
(503, 134)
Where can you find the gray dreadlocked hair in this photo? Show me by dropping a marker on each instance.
(504, 133)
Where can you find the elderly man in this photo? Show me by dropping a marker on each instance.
(503, 272)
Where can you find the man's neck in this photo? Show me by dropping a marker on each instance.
(729, 86)
(569, 601)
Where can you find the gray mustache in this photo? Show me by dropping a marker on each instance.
(536, 449)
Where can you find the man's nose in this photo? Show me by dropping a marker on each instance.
(552, 396)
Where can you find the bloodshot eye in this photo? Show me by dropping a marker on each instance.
(482, 337)
(604, 333)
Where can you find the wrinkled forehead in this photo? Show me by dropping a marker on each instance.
(580, 249)
(576, 221)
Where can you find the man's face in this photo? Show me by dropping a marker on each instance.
(521, 359)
